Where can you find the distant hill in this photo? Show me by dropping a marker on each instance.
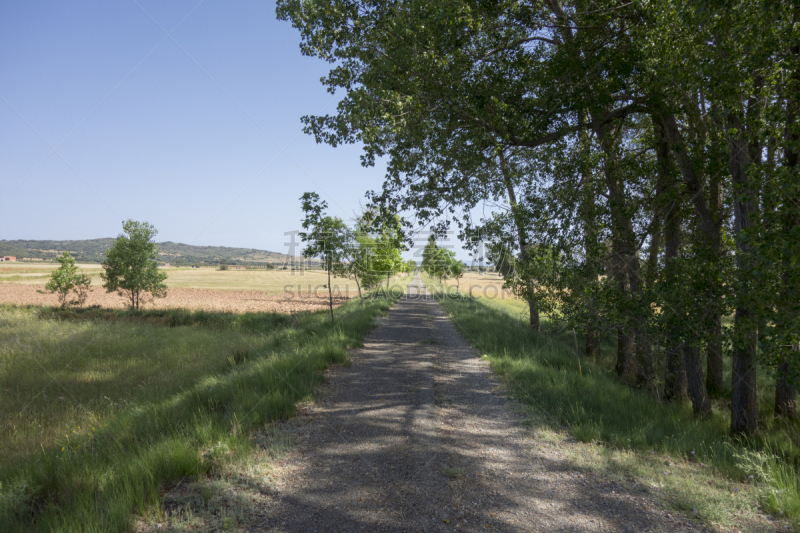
(91, 251)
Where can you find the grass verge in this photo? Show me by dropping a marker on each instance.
(168, 396)
(693, 465)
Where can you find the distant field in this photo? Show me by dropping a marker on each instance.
(487, 285)
(270, 281)
(238, 291)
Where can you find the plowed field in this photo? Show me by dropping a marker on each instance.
(235, 301)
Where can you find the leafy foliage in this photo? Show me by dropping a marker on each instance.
(66, 280)
(131, 266)
(642, 159)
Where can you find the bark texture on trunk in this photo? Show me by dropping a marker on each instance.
(592, 342)
(701, 405)
(744, 408)
(330, 291)
(625, 366)
(715, 378)
(534, 311)
(588, 216)
(785, 395)
(675, 385)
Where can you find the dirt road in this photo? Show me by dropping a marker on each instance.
(416, 436)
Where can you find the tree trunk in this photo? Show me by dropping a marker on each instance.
(592, 342)
(358, 284)
(588, 215)
(785, 395)
(522, 238)
(646, 375)
(675, 374)
(645, 358)
(744, 408)
(692, 182)
(715, 379)
(710, 221)
(625, 351)
(697, 386)
(330, 291)
(626, 262)
(534, 312)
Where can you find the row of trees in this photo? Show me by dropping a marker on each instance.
(368, 253)
(130, 268)
(643, 158)
(439, 262)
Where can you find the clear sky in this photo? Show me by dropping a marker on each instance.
(185, 114)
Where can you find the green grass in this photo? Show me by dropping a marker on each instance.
(104, 409)
(631, 431)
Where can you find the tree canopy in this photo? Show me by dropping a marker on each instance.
(131, 265)
(640, 160)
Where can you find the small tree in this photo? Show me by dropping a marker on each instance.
(66, 280)
(328, 238)
(387, 259)
(131, 266)
(388, 246)
(456, 269)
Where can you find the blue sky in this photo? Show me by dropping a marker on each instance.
(185, 114)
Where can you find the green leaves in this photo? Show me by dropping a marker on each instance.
(66, 280)
(131, 265)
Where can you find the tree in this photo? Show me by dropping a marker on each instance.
(327, 238)
(457, 271)
(641, 159)
(387, 260)
(346, 252)
(131, 265)
(66, 280)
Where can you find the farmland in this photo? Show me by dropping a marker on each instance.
(197, 289)
(484, 285)
(104, 406)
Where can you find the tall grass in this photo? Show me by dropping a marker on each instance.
(542, 369)
(201, 383)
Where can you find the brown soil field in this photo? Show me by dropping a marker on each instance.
(233, 301)
(483, 285)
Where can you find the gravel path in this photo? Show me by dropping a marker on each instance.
(416, 436)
